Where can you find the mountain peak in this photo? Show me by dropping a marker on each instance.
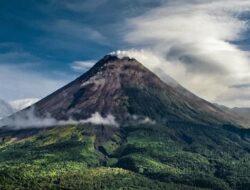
(122, 54)
(112, 67)
(114, 58)
(101, 89)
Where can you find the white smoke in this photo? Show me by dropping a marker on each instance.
(28, 119)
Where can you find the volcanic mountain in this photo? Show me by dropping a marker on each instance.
(167, 137)
(126, 89)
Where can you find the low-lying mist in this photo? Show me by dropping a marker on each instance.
(28, 119)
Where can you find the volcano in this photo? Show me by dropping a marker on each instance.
(166, 137)
(126, 89)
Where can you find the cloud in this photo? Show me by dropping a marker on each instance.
(5, 109)
(17, 57)
(109, 8)
(82, 66)
(139, 120)
(28, 119)
(78, 30)
(23, 103)
(246, 85)
(194, 43)
(80, 6)
(72, 37)
(147, 120)
(18, 82)
(97, 119)
(70, 29)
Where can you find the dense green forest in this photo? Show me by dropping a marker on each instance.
(146, 156)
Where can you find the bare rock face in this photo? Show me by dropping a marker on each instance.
(124, 88)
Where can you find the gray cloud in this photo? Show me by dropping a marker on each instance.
(16, 57)
(240, 86)
(193, 62)
(73, 29)
(79, 6)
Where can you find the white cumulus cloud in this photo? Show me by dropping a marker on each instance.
(193, 40)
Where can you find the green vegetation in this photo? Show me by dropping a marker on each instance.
(132, 157)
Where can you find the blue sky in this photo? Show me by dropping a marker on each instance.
(54, 33)
(46, 43)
